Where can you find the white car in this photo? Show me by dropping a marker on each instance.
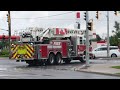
(102, 51)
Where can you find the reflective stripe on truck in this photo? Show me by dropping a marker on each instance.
(22, 51)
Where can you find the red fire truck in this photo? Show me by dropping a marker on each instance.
(50, 46)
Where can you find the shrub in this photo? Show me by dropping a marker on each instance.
(4, 52)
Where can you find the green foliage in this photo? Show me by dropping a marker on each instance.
(93, 40)
(114, 40)
(4, 45)
(117, 26)
(116, 67)
(98, 37)
(4, 52)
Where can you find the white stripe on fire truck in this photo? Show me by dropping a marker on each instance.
(54, 46)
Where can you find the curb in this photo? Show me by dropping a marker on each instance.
(117, 58)
(4, 58)
(98, 73)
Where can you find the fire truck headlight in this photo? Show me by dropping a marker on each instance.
(70, 49)
(31, 43)
(79, 53)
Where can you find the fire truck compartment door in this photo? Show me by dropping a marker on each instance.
(64, 49)
(43, 51)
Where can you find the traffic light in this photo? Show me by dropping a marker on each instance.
(78, 25)
(115, 12)
(97, 14)
(8, 18)
(78, 15)
(90, 26)
(85, 16)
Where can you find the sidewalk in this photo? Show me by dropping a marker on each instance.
(100, 69)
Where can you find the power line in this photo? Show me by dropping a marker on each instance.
(4, 29)
(46, 16)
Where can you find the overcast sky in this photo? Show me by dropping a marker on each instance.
(64, 19)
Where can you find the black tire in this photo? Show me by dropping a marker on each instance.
(51, 59)
(58, 59)
(34, 63)
(31, 63)
(67, 60)
(113, 55)
(82, 59)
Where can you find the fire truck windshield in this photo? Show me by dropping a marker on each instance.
(27, 35)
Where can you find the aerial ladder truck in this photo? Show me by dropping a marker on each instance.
(50, 46)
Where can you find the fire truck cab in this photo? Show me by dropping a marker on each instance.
(50, 46)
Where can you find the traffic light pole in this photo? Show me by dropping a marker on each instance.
(9, 29)
(108, 49)
(87, 39)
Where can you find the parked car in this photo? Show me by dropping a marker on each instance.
(102, 51)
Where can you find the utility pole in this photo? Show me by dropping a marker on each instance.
(9, 30)
(108, 49)
(87, 39)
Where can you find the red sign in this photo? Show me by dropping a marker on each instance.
(59, 31)
(78, 15)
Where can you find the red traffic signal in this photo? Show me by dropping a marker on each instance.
(78, 15)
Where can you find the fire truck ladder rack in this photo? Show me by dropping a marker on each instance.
(61, 32)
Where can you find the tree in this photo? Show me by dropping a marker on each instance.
(98, 37)
(114, 40)
(117, 26)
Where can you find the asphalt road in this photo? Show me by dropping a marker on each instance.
(20, 70)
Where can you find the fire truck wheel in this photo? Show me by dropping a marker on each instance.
(67, 61)
(58, 59)
(31, 63)
(50, 60)
(82, 59)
